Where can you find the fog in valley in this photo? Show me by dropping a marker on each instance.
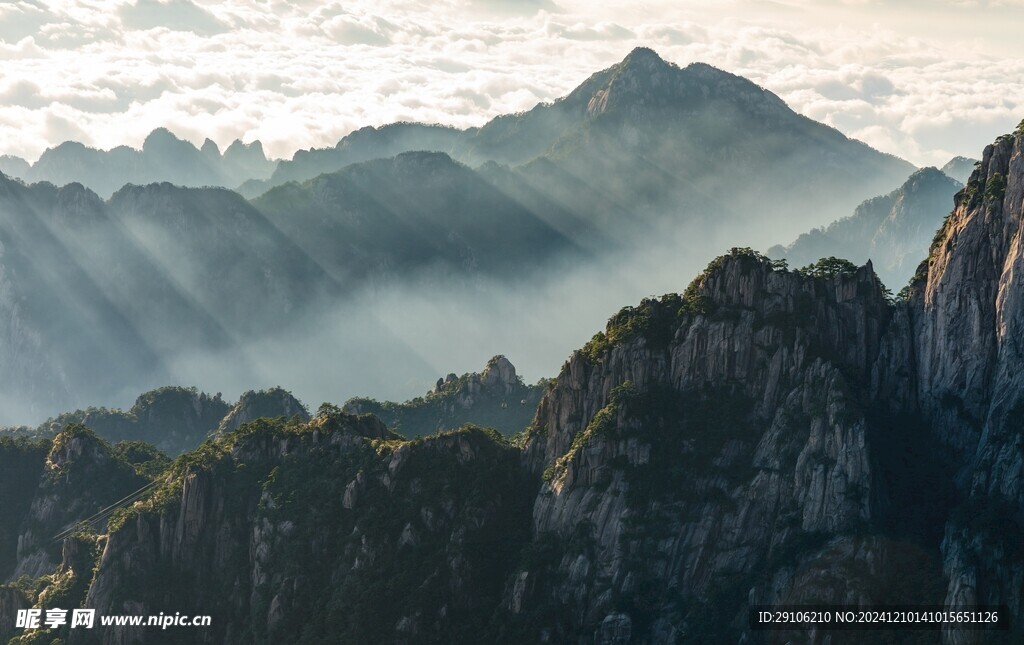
(405, 252)
(392, 343)
(510, 321)
(392, 340)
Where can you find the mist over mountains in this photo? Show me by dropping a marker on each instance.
(163, 158)
(893, 230)
(406, 251)
(960, 168)
(777, 429)
(643, 137)
(768, 436)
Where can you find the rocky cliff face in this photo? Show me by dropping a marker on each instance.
(968, 309)
(331, 531)
(705, 451)
(11, 601)
(702, 450)
(21, 468)
(792, 436)
(78, 476)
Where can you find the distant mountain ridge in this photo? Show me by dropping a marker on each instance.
(163, 158)
(172, 419)
(413, 211)
(892, 230)
(494, 398)
(161, 270)
(960, 168)
(364, 144)
(645, 134)
(101, 298)
(636, 89)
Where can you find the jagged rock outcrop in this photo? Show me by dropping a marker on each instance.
(848, 450)
(697, 444)
(495, 398)
(271, 403)
(499, 373)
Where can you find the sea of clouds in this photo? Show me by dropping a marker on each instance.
(922, 80)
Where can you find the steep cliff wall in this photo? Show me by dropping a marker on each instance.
(707, 449)
(968, 328)
(80, 476)
(331, 531)
(792, 436)
(21, 469)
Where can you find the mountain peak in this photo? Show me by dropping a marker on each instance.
(240, 146)
(272, 403)
(210, 148)
(159, 134)
(929, 180)
(248, 152)
(960, 168)
(644, 81)
(644, 57)
(163, 139)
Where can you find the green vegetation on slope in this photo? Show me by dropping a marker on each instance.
(495, 398)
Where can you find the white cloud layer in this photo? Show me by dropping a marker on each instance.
(923, 80)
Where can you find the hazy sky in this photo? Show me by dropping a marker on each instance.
(923, 79)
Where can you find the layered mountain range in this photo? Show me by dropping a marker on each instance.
(767, 436)
(960, 168)
(495, 398)
(173, 420)
(163, 158)
(108, 287)
(640, 139)
(893, 230)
